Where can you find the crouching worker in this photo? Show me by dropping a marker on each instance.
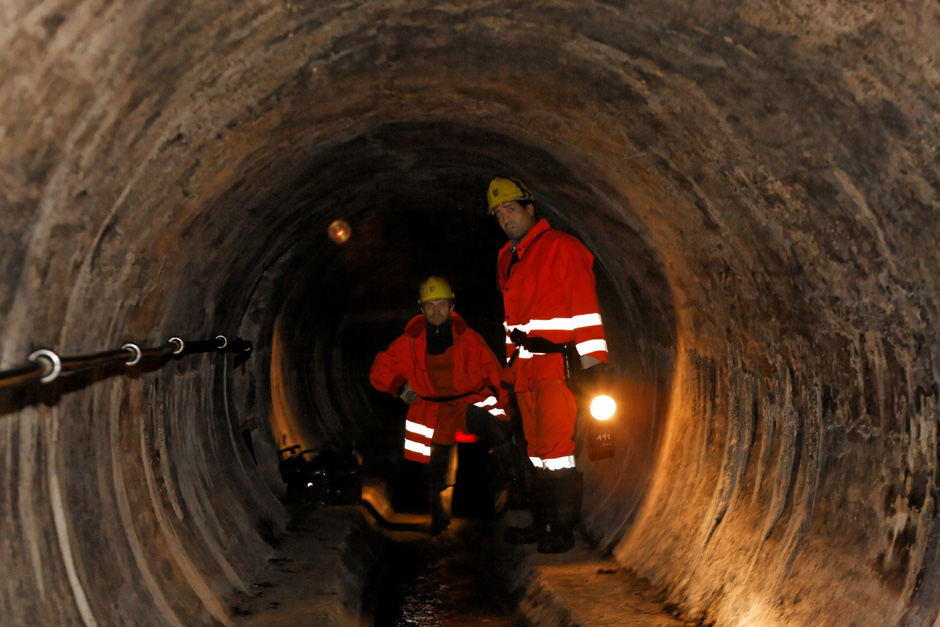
(451, 380)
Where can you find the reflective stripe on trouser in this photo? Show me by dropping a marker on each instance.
(418, 442)
(548, 413)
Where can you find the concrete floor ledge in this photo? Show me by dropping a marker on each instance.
(319, 574)
(581, 589)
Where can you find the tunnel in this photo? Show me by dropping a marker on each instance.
(758, 183)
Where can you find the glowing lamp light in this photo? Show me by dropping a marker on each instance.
(603, 407)
(339, 231)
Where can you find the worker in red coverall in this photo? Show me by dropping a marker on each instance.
(546, 278)
(452, 382)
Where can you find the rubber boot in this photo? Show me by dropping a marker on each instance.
(442, 470)
(447, 500)
(569, 510)
(501, 462)
(437, 512)
(565, 488)
(440, 509)
(539, 506)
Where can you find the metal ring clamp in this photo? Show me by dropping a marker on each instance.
(179, 341)
(134, 349)
(224, 341)
(53, 360)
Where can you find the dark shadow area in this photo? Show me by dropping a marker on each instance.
(444, 581)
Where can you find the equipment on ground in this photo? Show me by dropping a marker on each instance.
(329, 476)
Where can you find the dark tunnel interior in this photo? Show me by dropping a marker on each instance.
(759, 184)
(418, 213)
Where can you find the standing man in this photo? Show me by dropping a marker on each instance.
(452, 382)
(547, 282)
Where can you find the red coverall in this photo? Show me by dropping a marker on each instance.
(476, 371)
(548, 292)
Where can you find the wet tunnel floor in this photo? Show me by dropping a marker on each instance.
(338, 566)
(377, 564)
(443, 581)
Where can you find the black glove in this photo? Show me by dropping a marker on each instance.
(595, 380)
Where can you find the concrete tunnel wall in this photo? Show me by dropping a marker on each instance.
(759, 184)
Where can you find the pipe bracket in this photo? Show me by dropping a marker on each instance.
(134, 349)
(179, 342)
(55, 364)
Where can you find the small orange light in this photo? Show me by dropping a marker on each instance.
(339, 231)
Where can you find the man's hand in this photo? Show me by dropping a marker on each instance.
(407, 394)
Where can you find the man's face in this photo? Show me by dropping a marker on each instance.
(514, 219)
(437, 311)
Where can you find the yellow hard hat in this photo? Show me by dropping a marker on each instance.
(435, 288)
(503, 189)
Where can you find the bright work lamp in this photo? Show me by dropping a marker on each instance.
(603, 407)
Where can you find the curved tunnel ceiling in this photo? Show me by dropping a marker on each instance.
(759, 186)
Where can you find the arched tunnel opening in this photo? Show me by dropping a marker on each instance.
(758, 185)
(340, 304)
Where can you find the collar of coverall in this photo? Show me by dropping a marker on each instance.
(415, 326)
(537, 229)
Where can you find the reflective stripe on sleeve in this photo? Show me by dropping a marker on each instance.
(559, 463)
(557, 324)
(417, 447)
(591, 346)
(420, 429)
(587, 320)
(537, 462)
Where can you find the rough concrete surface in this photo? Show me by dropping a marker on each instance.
(318, 575)
(583, 589)
(759, 183)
